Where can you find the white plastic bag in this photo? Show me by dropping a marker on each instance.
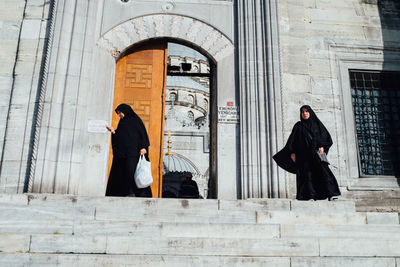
(142, 175)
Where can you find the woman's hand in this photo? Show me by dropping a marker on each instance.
(143, 151)
(320, 150)
(293, 157)
(110, 129)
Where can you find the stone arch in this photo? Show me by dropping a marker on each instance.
(209, 41)
(139, 29)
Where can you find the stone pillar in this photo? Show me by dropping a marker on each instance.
(23, 35)
(260, 99)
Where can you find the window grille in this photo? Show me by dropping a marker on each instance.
(376, 103)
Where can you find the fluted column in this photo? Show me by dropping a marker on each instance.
(260, 98)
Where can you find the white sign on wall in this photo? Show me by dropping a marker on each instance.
(228, 114)
(97, 126)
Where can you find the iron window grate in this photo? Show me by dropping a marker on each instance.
(376, 103)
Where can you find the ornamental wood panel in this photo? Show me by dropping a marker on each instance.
(140, 82)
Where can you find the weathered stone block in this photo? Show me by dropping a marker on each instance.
(255, 204)
(30, 29)
(59, 243)
(340, 231)
(118, 228)
(12, 10)
(213, 247)
(322, 86)
(38, 260)
(296, 83)
(112, 203)
(296, 64)
(9, 30)
(171, 215)
(213, 230)
(344, 261)
(14, 243)
(25, 68)
(382, 218)
(336, 16)
(323, 206)
(13, 199)
(311, 217)
(320, 68)
(7, 66)
(13, 148)
(359, 247)
(34, 11)
(11, 226)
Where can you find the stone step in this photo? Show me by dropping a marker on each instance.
(51, 212)
(343, 261)
(132, 245)
(176, 204)
(40, 230)
(340, 231)
(67, 260)
(188, 246)
(87, 260)
(198, 230)
(311, 217)
(145, 229)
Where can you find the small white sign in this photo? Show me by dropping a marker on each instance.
(97, 126)
(228, 114)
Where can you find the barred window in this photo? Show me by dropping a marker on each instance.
(376, 103)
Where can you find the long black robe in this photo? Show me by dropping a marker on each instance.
(129, 138)
(314, 179)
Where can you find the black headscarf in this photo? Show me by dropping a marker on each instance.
(127, 110)
(130, 135)
(320, 136)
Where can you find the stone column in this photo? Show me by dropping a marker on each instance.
(260, 99)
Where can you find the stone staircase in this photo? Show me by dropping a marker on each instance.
(56, 230)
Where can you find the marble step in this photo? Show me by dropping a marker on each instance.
(132, 245)
(145, 229)
(386, 232)
(187, 246)
(88, 260)
(200, 215)
(186, 204)
(198, 230)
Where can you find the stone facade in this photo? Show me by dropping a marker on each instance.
(320, 42)
(270, 57)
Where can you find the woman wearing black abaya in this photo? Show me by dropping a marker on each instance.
(129, 141)
(308, 139)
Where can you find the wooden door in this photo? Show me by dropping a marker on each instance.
(140, 82)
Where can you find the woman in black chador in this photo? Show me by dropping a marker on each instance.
(302, 155)
(129, 141)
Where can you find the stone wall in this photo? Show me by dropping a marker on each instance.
(320, 40)
(88, 36)
(289, 53)
(23, 27)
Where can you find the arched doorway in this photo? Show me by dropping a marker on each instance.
(141, 78)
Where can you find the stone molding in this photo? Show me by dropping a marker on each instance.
(135, 30)
(38, 112)
(363, 55)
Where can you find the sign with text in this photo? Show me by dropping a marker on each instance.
(97, 126)
(228, 114)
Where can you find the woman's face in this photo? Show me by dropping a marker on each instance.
(120, 114)
(305, 114)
